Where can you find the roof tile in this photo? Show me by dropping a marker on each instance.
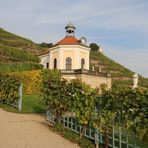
(69, 40)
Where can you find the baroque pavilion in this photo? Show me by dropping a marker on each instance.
(71, 56)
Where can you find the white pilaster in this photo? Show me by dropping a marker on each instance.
(77, 59)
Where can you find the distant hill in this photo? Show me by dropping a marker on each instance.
(120, 74)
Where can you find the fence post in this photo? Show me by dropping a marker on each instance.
(135, 140)
(20, 97)
(113, 140)
(126, 138)
(96, 138)
(120, 137)
(64, 121)
(75, 124)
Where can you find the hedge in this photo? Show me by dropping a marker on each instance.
(9, 88)
(31, 81)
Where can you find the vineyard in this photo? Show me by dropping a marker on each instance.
(15, 55)
(120, 74)
(12, 40)
(15, 49)
(98, 108)
(14, 67)
(95, 108)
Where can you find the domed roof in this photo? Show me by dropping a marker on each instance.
(69, 25)
(69, 40)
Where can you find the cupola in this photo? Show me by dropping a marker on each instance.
(70, 29)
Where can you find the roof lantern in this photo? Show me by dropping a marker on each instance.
(70, 29)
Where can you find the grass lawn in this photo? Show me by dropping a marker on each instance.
(31, 104)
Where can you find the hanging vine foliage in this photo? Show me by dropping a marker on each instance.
(54, 92)
(8, 88)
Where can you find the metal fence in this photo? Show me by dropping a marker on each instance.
(119, 138)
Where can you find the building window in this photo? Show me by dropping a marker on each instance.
(68, 63)
(82, 63)
(47, 65)
(55, 64)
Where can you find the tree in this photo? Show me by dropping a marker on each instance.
(94, 47)
(46, 45)
(54, 92)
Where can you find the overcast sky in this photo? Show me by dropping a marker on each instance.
(119, 26)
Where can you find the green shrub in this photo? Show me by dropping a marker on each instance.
(31, 81)
(71, 136)
(59, 127)
(86, 143)
(9, 88)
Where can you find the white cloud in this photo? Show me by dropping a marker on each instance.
(115, 17)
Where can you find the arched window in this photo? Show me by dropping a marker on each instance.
(82, 63)
(68, 63)
(47, 65)
(55, 63)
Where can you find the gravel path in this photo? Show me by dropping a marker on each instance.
(28, 131)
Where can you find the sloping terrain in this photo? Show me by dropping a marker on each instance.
(120, 74)
(17, 52)
(12, 40)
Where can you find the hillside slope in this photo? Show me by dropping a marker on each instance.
(17, 53)
(13, 40)
(119, 73)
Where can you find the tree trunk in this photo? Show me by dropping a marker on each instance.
(97, 145)
(83, 130)
(58, 119)
(106, 139)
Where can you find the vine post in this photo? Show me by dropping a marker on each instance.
(20, 90)
(96, 138)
